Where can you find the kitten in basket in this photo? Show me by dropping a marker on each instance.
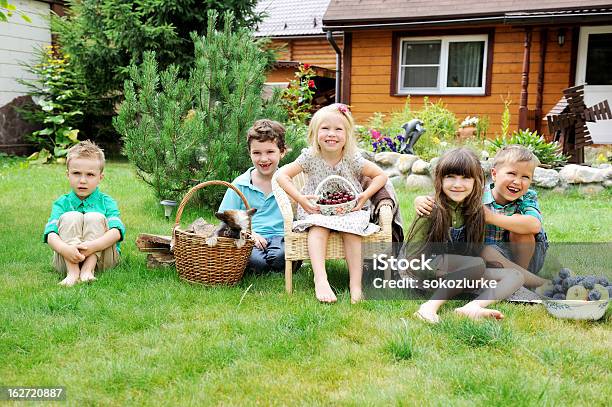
(235, 223)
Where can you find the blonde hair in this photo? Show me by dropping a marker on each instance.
(514, 153)
(338, 110)
(88, 150)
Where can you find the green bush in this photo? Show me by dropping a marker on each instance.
(295, 139)
(105, 37)
(59, 94)
(549, 153)
(179, 132)
(439, 122)
(297, 97)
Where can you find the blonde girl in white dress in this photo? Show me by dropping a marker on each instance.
(333, 151)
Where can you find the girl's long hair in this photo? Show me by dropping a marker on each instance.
(458, 161)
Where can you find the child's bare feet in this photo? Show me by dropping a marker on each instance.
(356, 295)
(324, 292)
(69, 281)
(427, 314)
(477, 312)
(87, 276)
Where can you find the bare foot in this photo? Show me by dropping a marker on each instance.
(69, 281)
(475, 312)
(323, 292)
(427, 314)
(356, 295)
(87, 276)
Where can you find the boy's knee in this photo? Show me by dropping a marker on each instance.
(519, 238)
(72, 217)
(94, 218)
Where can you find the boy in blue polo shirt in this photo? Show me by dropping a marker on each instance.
(266, 141)
(84, 227)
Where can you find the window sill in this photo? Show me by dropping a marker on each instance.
(438, 94)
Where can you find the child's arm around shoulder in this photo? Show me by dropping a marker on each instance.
(379, 179)
(527, 221)
(284, 178)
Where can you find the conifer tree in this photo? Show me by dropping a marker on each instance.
(178, 132)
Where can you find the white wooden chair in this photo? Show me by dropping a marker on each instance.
(296, 243)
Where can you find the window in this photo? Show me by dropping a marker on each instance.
(599, 55)
(443, 65)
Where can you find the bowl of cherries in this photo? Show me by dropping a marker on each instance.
(336, 196)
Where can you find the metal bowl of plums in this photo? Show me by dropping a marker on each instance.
(570, 296)
(336, 196)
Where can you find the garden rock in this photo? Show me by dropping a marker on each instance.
(415, 181)
(607, 183)
(368, 155)
(392, 172)
(432, 165)
(486, 167)
(420, 167)
(545, 178)
(577, 174)
(590, 189)
(405, 162)
(560, 189)
(387, 159)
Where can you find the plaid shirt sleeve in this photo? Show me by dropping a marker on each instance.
(528, 205)
(113, 216)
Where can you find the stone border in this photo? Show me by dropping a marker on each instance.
(415, 173)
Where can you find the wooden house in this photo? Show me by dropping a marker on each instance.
(473, 55)
(295, 30)
(19, 43)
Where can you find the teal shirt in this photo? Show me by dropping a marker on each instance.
(268, 220)
(96, 202)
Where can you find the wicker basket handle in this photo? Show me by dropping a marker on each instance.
(338, 177)
(201, 185)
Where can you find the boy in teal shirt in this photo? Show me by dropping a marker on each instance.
(266, 141)
(84, 227)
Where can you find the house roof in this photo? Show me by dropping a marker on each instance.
(355, 14)
(288, 18)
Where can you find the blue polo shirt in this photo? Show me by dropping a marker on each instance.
(96, 202)
(268, 220)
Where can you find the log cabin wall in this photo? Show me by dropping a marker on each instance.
(371, 77)
(313, 50)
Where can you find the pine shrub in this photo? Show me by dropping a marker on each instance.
(179, 132)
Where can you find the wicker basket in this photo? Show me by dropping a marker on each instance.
(199, 263)
(334, 183)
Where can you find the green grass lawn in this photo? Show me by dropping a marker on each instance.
(141, 337)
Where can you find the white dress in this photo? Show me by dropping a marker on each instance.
(316, 170)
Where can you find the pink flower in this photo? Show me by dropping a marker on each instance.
(375, 134)
(311, 84)
(306, 66)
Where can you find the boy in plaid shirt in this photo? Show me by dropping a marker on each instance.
(514, 220)
(514, 236)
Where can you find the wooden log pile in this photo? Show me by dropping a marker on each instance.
(157, 248)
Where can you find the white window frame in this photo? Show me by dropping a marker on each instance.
(441, 88)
